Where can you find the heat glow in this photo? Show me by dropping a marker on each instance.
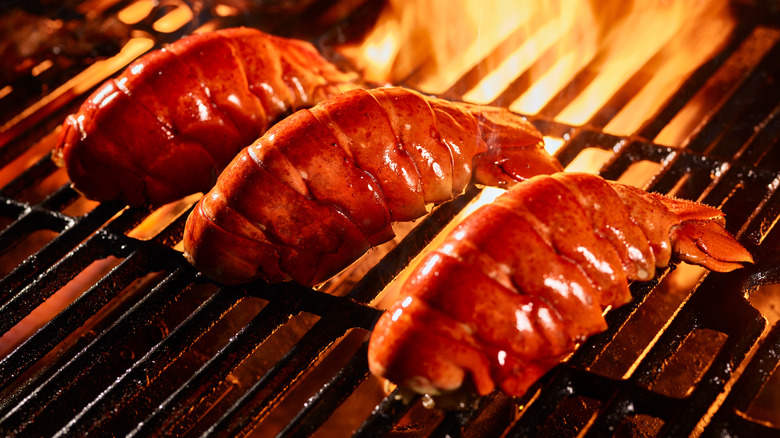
(527, 53)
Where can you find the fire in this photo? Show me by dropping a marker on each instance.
(538, 48)
(439, 39)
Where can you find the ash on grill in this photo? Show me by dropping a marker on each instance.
(107, 329)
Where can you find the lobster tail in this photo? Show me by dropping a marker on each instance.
(326, 183)
(520, 281)
(173, 119)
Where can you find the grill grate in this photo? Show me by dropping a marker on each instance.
(150, 348)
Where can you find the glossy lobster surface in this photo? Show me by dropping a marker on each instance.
(324, 185)
(173, 119)
(520, 281)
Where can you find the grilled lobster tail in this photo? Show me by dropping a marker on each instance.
(170, 122)
(324, 185)
(521, 280)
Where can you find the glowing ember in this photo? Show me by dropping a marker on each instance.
(136, 11)
(173, 20)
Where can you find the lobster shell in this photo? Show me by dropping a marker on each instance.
(324, 185)
(173, 119)
(520, 281)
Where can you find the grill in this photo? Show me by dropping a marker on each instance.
(141, 344)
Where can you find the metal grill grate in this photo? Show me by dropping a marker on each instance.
(150, 348)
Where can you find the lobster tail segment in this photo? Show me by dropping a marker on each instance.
(321, 187)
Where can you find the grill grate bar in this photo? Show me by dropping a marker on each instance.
(624, 94)
(762, 148)
(53, 279)
(266, 393)
(576, 85)
(764, 219)
(143, 372)
(453, 422)
(16, 139)
(56, 330)
(72, 233)
(27, 90)
(387, 414)
(682, 420)
(701, 75)
(320, 407)
(566, 381)
(585, 138)
(53, 251)
(399, 257)
(632, 153)
(570, 378)
(29, 220)
(203, 383)
(97, 352)
(522, 83)
(747, 106)
(691, 170)
(61, 198)
(739, 197)
(616, 320)
(475, 74)
(33, 174)
(730, 419)
(138, 263)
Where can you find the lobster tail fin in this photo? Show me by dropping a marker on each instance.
(700, 237)
(707, 243)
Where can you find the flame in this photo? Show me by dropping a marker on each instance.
(541, 50)
(446, 35)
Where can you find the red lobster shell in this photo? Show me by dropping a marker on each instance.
(169, 123)
(521, 280)
(324, 185)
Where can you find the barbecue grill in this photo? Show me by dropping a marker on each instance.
(139, 343)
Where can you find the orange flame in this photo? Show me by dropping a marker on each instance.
(430, 45)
